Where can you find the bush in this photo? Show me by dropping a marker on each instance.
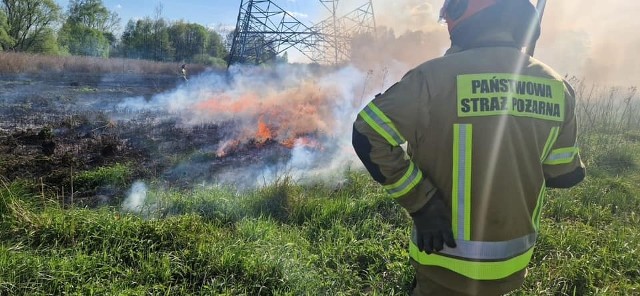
(208, 60)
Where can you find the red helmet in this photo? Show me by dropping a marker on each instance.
(453, 12)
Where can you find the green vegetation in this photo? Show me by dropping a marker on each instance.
(88, 28)
(159, 40)
(115, 175)
(283, 239)
(28, 25)
(290, 239)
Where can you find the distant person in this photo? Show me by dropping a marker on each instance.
(487, 129)
(183, 72)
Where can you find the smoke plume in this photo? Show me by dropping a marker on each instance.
(298, 118)
(306, 110)
(594, 40)
(135, 198)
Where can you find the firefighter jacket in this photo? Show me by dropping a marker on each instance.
(489, 127)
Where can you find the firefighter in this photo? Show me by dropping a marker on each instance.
(487, 129)
(183, 72)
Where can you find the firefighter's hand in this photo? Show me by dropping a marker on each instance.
(433, 226)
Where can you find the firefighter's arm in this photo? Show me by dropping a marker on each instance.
(563, 167)
(381, 127)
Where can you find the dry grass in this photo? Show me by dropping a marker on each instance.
(605, 109)
(13, 63)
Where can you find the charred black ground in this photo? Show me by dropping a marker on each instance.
(53, 127)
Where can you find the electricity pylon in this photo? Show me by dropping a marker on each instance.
(264, 30)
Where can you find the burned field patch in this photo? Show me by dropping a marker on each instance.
(55, 131)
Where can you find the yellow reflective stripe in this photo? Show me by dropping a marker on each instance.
(381, 124)
(492, 270)
(537, 211)
(461, 191)
(553, 137)
(562, 156)
(411, 178)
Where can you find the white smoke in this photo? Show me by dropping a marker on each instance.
(136, 196)
(307, 108)
(595, 40)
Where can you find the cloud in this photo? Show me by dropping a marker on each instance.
(298, 14)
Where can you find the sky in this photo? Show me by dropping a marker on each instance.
(593, 39)
(209, 13)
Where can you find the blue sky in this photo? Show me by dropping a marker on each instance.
(204, 12)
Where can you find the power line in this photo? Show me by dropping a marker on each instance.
(264, 30)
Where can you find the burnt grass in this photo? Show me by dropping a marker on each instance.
(54, 127)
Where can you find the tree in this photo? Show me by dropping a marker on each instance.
(46, 42)
(81, 40)
(216, 45)
(5, 40)
(188, 40)
(147, 39)
(29, 22)
(88, 29)
(160, 40)
(93, 14)
(162, 48)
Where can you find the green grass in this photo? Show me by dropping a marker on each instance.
(290, 239)
(115, 175)
(285, 239)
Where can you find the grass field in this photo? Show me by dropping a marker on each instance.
(22, 63)
(290, 239)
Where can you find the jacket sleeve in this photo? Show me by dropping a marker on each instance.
(381, 127)
(563, 167)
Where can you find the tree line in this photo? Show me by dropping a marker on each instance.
(88, 28)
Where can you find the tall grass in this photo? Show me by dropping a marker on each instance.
(21, 63)
(608, 119)
(606, 109)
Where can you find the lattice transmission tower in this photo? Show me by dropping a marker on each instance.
(264, 30)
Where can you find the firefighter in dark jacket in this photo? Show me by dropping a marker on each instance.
(183, 72)
(487, 129)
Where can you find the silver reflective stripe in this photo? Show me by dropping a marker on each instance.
(410, 181)
(462, 179)
(381, 123)
(477, 250)
(561, 156)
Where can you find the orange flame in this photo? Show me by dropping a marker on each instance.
(291, 117)
(264, 133)
(307, 142)
(224, 103)
(227, 147)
